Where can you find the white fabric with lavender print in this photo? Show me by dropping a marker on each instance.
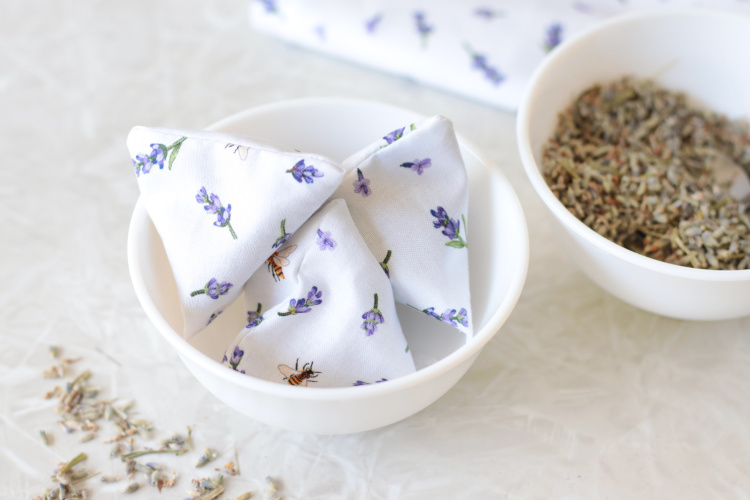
(217, 201)
(484, 50)
(338, 329)
(408, 196)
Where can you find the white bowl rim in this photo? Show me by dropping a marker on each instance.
(533, 170)
(460, 355)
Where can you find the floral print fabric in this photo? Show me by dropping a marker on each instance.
(415, 216)
(203, 190)
(484, 51)
(332, 321)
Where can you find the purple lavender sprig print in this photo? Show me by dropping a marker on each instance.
(304, 305)
(362, 185)
(553, 36)
(269, 5)
(324, 240)
(418, 165)
(360, 382)
(384, 264)
(214, 289)
(487, 14)
(302, 172)
(372, 319)
(372, 24)
(423, 28)
(392, 137)
(143, 163)
(450, 316)
(479, 61)
(397, 134)
(451, 227)
(284, 236)
(235, 359)
(213, 317)
(254, 318)
(213, 206)
(320, 31)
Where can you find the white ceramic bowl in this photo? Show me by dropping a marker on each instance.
(698, 52)
(498, 256)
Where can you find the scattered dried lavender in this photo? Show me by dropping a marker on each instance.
(644, 169)
(67, 477)
(271, 492)
(207, 488)
(81, 410)
(208, 456)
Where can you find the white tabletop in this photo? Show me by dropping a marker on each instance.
(578, 396)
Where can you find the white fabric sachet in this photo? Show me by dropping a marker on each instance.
(219, 202)
(321, 313)
(408, 196)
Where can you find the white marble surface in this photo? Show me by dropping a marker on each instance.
(578, 396)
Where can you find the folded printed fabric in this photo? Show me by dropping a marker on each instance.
(408, 196)
(219, 203)
(322, 312)
(484, 51)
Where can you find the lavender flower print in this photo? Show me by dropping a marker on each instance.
(301, 172)
(362, 185)
(213, 206)
(553, 36)
(372, 318)
(214, 289)
(325, 241)
(235, 359)
(213, 317)
(143, 163)
(396, 135)
(451, 227)
(479, 61)
(269, 5)
(423, 28)
(384, 264)
(254, 318)
(487, 13)
(450, 316)
(284, 236)
(372, 23)
(359, 382)
(302, 305)
(418, 165)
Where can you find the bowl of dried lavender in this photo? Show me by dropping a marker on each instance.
(635, 136)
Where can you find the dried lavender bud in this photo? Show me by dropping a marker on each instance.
(640, 166)
(208, 456)
(132, 487)
(45, 438)
(87, 437)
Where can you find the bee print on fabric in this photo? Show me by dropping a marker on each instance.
(241, 151)
(278, 260)
(295, 376)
